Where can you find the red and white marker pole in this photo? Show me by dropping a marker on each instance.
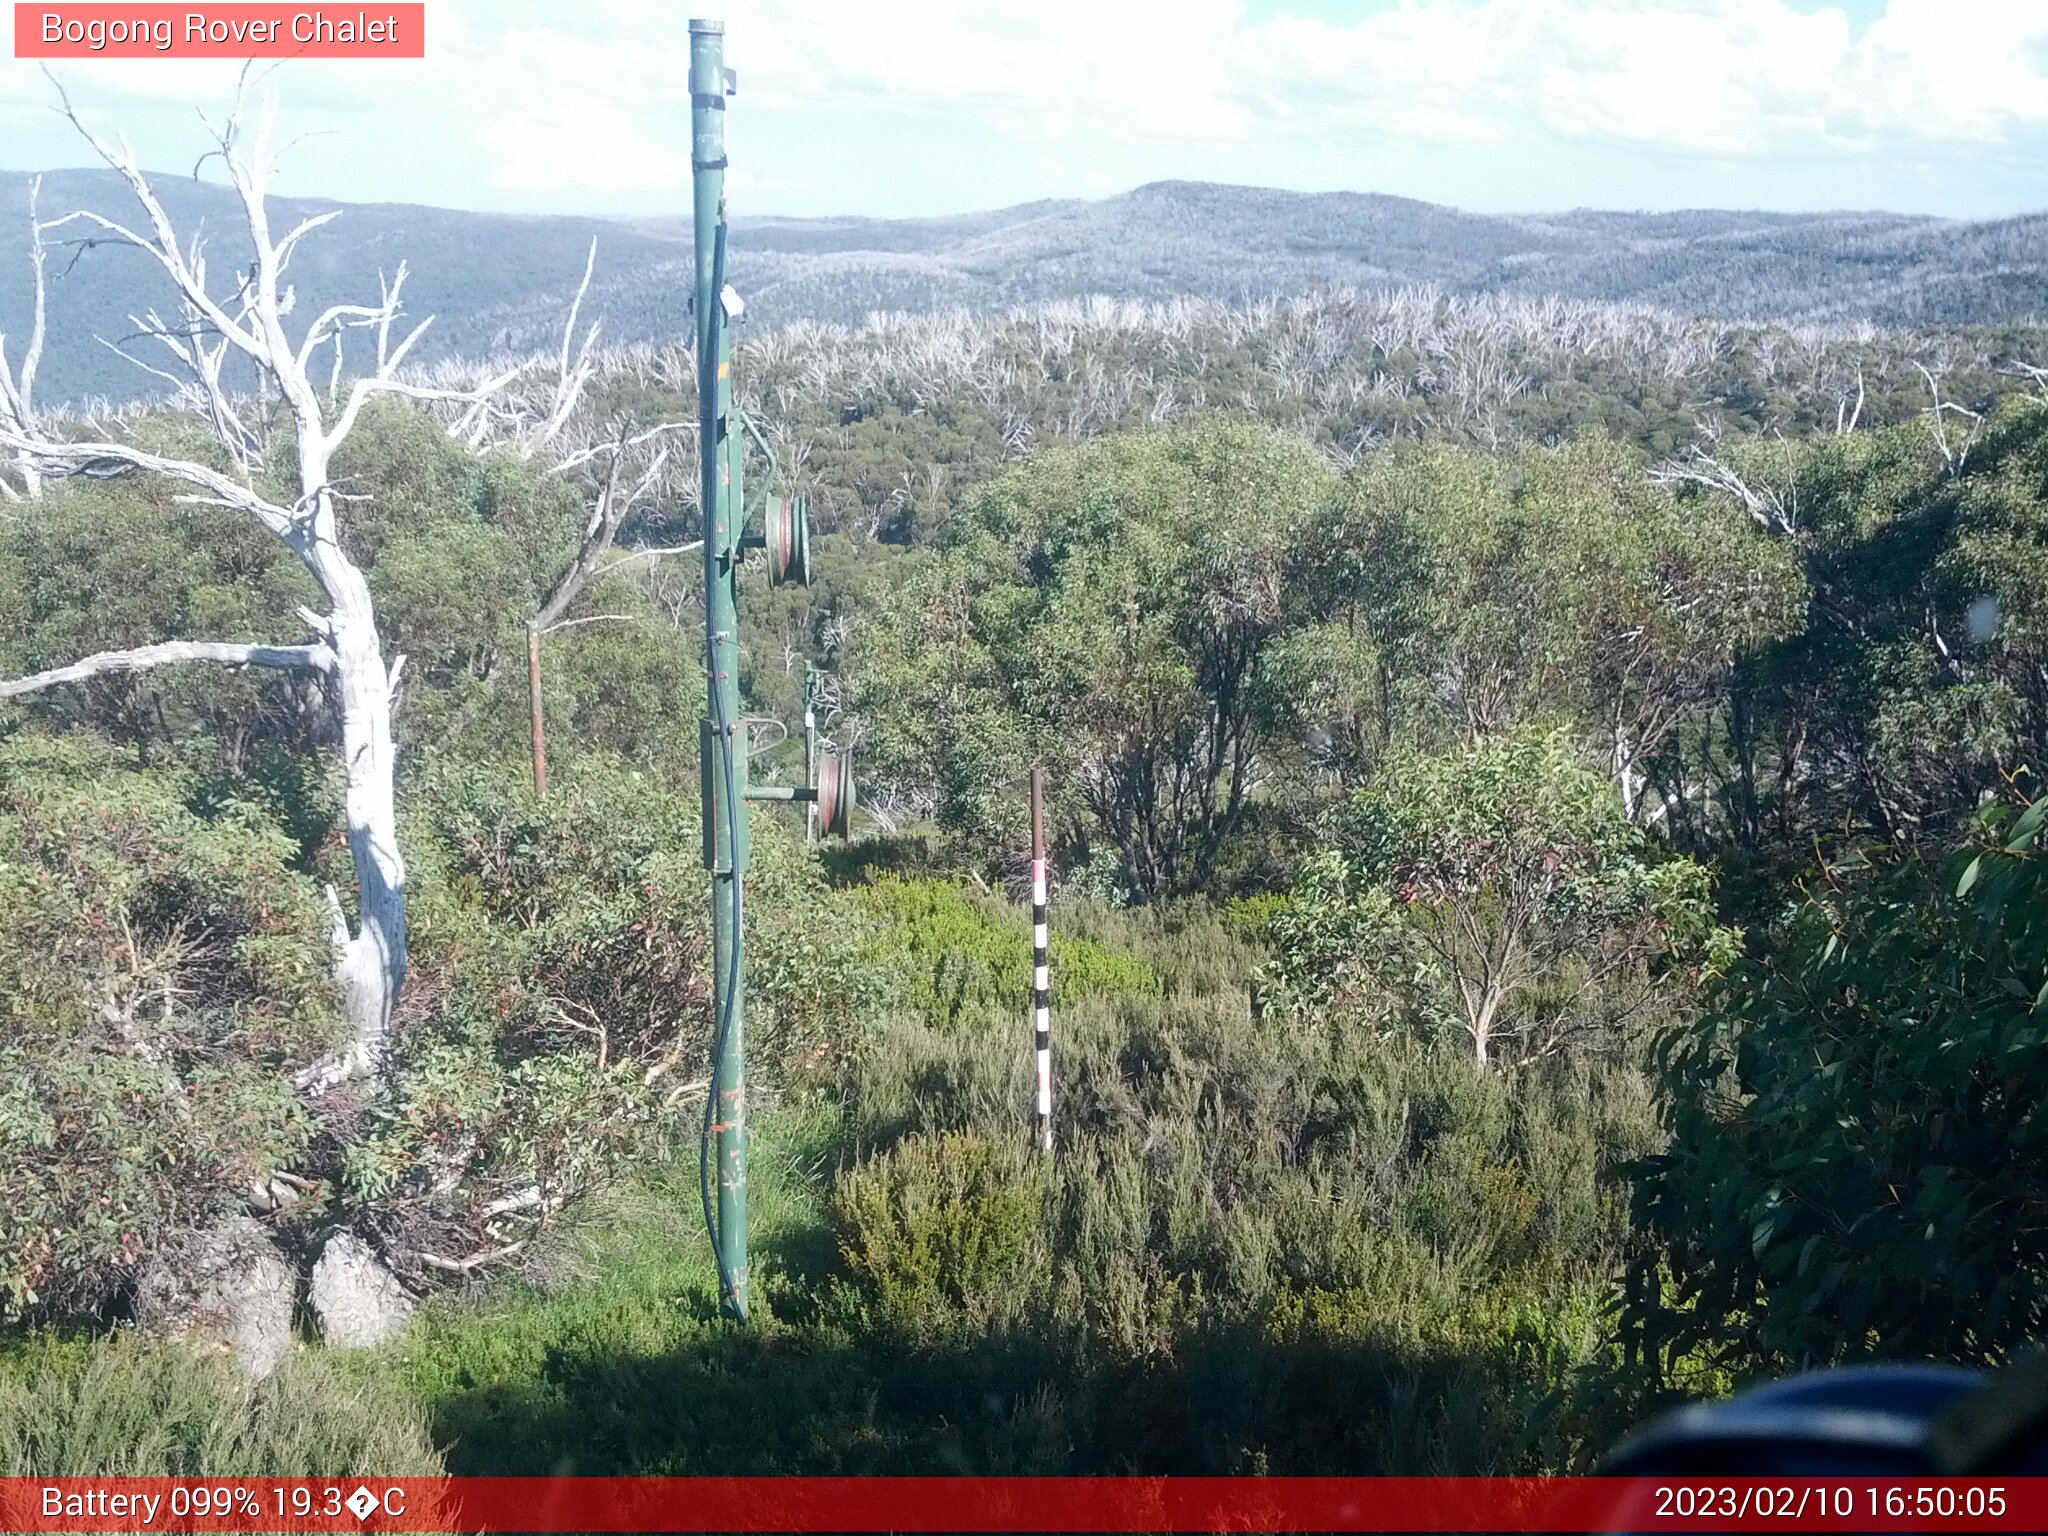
(1041, 969)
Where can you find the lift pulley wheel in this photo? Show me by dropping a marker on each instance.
(787, 540)
(835, 794)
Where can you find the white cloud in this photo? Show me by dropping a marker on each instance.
(1156, 68)
(546, 101)
(562, 107)
(1723, 76)
(586, 145)
(1726, 76)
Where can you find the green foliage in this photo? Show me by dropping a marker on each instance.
(1858, 1156)
(959, 958)
(1111, 604)
(941, 1222)
(1241, 1216)
(560, 990)
(1916, 685)
(1213, 1139)
(108, 565)
(117, 1407)
(1503, 889)
(1473, 592)
(1258, 1247)
(162, 970)
(460, 551)
(1368, 707)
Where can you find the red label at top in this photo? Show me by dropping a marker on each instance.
(240, 31)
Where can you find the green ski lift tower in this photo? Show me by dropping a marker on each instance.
(784, 541)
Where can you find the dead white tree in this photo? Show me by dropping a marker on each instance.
(246, 318)
(18, 385)
(1845, 417)
(619, 470)
(2034, 374)
(1954, 446)
(1774, 509)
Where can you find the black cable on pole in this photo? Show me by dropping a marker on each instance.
(719, 725)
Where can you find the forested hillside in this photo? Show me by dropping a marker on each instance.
(495, 281)
(1544, 825)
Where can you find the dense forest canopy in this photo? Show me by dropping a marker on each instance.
(1543, 815)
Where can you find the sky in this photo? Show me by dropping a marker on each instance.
(904, 107)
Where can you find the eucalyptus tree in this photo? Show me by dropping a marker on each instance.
(1114, 611)
(1857, 1155)
(1916, 687)
(1501, 891)
(1497, 589)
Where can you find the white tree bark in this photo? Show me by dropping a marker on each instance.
(144, 657)
(1775, 510)
(370, 964)
(18, 386)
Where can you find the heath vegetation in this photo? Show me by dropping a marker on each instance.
(1545, 837)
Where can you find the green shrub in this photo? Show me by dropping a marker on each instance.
(1243, 1218)
(1858, 1156)
(162, 970)
(879, 854)
(1190, 949)
(1209, 1162)
(560, 997)
(950, 1221)
(959, 956)
(1502, 893)
(460, 550)
(1251, 919)
(110, 564)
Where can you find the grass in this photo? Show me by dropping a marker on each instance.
(79, 1404)
(564, 1371)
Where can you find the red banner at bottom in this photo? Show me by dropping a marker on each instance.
(519, 1504)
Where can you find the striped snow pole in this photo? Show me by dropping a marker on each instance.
(1041, 968)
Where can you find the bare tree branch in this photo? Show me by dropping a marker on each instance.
(315, 658)
(57, 460)
(591, 618)
(570, 379)
(1955, 454)
(614, 501)
(628, 558)
(1775, 511)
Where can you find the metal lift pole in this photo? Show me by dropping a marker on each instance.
(724, 747)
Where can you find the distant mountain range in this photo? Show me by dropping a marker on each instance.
(502, 282)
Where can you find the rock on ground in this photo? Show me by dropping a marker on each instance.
(224, 1287)
(356, 1298)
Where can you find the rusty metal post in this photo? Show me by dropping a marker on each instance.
(811, 749)
(1041, 965)
(540, 734)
